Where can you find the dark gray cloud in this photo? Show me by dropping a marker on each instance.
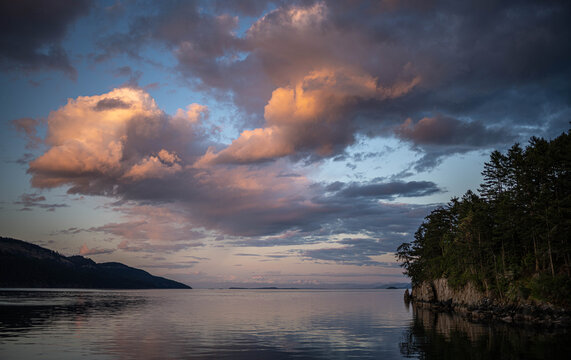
(111, 103)
(30, 201)
(353, 252)
(32, 32)
(133, 76)
(441, 136)
(390, 223)
(28, 126)
(443, 130)
(467, 75)
(25, 159)
(386, 190)
(488, 73)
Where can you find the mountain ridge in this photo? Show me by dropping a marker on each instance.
(23, 264)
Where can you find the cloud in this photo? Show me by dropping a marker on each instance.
(386, 190)
(151, 228)
(309, 79)
(29, 201)
(178, 265)
(131, 150)
(85, 251)
(162, 165)
(440, 136)
(493, 70)
(32, 32)
(351, 252)
(313, 117)
(443, 130)
(99, 142)
(110, 104)
(28, 126)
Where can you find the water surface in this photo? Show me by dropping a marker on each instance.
(245, 324)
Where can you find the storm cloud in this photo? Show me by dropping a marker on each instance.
(32, 32)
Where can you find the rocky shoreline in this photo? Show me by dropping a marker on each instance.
(476, 306)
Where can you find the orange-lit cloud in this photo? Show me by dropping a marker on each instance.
(115, 137)
(85, 251)
(313, 116)
(164, 164)
(121, 144)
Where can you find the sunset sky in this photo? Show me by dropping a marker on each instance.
(263, 143)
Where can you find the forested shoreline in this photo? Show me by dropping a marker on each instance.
(512, 239)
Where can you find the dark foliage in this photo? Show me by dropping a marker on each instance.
(512, 240)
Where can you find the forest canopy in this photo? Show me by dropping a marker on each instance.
(511, 240)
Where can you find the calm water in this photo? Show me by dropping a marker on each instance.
(250, 324)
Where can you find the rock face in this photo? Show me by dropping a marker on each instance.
(478, 306)
(440, 291)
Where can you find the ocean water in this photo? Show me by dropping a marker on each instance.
(251, 324)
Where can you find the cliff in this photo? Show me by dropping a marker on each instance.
(25, 265)
(476, 305)
(441, 292)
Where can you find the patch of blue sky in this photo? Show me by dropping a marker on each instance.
(385, 158)
(455, 175)
(376, 158)
(37, 224)
(14, 180)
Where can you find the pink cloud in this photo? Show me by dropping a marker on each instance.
(314, 116)
(28, 127)
(115, 138)
(85, 251)
(164, 164)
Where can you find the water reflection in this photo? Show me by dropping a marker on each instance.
(207, 324)
(249, 324)
(33, 310)
(435, 335)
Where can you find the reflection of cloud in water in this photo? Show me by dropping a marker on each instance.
(38, 310)
(246, 324)
(437, 335)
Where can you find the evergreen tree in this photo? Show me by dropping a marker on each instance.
(513, 240)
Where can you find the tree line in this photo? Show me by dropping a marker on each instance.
(511, 239)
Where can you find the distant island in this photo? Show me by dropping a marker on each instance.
(393, 286)
(261, 288)
(505, 253)
(25, 265)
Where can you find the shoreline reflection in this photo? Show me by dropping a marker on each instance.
(441, 335)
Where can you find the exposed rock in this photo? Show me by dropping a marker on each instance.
(407, 297)
(439, 291)
(478, 306)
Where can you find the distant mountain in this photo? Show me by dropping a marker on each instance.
(27, 265)
(394, 286)
(262, 288)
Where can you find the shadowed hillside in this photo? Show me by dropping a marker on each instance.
(27, 265)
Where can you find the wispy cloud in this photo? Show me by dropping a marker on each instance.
(31, 201)
(85, 251)
(350, 252)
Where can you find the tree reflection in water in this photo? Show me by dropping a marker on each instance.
(436, 335)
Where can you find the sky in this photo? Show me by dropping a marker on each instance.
(263, 143)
